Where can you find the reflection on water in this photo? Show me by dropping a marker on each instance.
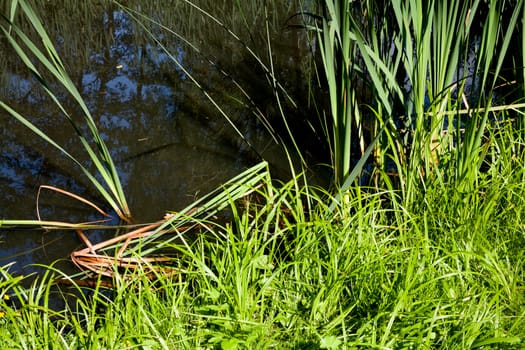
(169, 144)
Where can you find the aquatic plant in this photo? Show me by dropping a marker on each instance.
(431, 70)
(340, 65)
(50, 66)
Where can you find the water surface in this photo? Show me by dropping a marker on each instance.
(170, 144)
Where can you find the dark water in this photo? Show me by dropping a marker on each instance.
(169, 143)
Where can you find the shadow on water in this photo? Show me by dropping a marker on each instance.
(169, 144)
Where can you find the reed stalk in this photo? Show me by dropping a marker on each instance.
(339, 57)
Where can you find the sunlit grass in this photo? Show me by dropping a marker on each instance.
(446, 275)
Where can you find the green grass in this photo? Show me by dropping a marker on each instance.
(369, 274)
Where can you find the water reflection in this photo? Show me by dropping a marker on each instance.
(169, 144)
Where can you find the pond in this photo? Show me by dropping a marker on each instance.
(170, 143)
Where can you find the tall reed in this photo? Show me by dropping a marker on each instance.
(340, 65)
(42, 59)
(431, 81)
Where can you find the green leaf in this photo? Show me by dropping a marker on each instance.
(262, 262)
(330, 342)
(230, 344)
